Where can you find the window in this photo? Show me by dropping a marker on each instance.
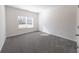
(29, 20)
(25, 21)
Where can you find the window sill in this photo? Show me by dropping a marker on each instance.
(25, 26)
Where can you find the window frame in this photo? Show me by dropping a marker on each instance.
(25, 24)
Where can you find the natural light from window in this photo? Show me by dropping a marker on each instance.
(25, 22)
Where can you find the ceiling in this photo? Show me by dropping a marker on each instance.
(34, 8)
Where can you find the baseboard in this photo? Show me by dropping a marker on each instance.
(42, 31)
(21, 34)
(59, 36)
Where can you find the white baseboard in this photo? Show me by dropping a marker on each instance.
(60, 36)
(20, 34)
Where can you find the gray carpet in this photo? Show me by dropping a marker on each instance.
(38, 42)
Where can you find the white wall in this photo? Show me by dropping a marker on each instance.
(77, 29)
(2, 26)
(59, 21)
(12, 25)
(77, 21)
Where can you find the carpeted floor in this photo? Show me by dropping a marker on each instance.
(38, 42)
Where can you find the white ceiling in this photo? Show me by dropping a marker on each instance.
(34, 8)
